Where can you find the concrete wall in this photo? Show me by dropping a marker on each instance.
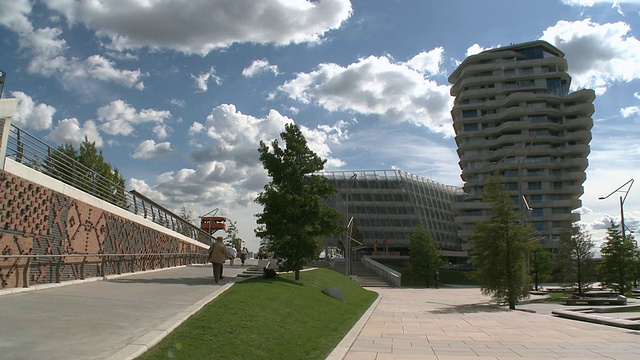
(41, 215)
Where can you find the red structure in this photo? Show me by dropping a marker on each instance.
(211, 224)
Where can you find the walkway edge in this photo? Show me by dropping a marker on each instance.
(343, 347)
(146, 342)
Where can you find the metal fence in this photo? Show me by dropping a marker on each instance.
(30, 151)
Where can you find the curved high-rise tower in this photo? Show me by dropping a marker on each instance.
(514, 114)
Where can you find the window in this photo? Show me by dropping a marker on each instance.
(511, 186)
(532, 53)
(471, 127)
(537, 104)
(535, 185)
(534, 199)
(529, 82)
(469, 113)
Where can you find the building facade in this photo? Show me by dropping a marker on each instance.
(513, 114)
(389, 205)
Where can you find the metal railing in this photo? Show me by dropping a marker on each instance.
(388, 274)
(30, 151)
(107, 264)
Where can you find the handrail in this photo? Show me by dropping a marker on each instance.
(171, 259)
(390, 275)
(26, 149)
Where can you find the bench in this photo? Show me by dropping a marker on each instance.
(620, 300)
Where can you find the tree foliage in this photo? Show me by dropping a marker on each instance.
(618, 260)
(231, 235)
(87, 170)
(499, 245)
(426, 257)
(575, 256)
(183, 227)
(539, 264)
(295, 211)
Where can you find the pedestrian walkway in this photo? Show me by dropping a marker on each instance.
(117, 318)
(459, 323)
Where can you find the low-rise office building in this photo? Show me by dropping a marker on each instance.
(390, 204)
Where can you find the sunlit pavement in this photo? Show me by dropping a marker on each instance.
(117, 318)
(458, 323)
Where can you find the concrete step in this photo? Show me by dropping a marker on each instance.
(359, 273)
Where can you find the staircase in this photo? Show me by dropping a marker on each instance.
(359, 273)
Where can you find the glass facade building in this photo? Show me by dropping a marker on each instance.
(389, 205)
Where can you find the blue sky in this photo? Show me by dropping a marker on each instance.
(179, 93)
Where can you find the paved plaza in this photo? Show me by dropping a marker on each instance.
(459, 323)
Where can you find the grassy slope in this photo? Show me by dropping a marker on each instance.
(270, 319)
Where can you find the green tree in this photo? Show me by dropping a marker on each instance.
(295, 210)
(575, 256)
(183, 227)
(499, 245)
(87, 170)
(618, 260)
(539, 264)
(231, 235)
(426, 257)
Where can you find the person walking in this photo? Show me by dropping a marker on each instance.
(243, 255)
(437, 278)
(234, 254)
(218, 254)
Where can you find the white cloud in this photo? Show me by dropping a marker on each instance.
(202, 80)
(630, 111)
(317, 141)
(375, 85)
(177, 102)
(14, 15)
(97, 67)
(31, 116)
(259, 66)
(118, 117)
(195, 128)
(149, 149)
(200, 27)
(70, 131)
(161, 131)
(598, 54)
(475, 49)
(427, 61)
(47, 53)
(590, 3)
(237, 136)
(229, 173)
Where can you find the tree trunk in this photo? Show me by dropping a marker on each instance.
(297, 272)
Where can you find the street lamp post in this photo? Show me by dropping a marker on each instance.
(622, 199)
(347, 234)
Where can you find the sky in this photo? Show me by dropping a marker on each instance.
(178, 94)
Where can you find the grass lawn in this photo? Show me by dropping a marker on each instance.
(270, 319)
(556, 297)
